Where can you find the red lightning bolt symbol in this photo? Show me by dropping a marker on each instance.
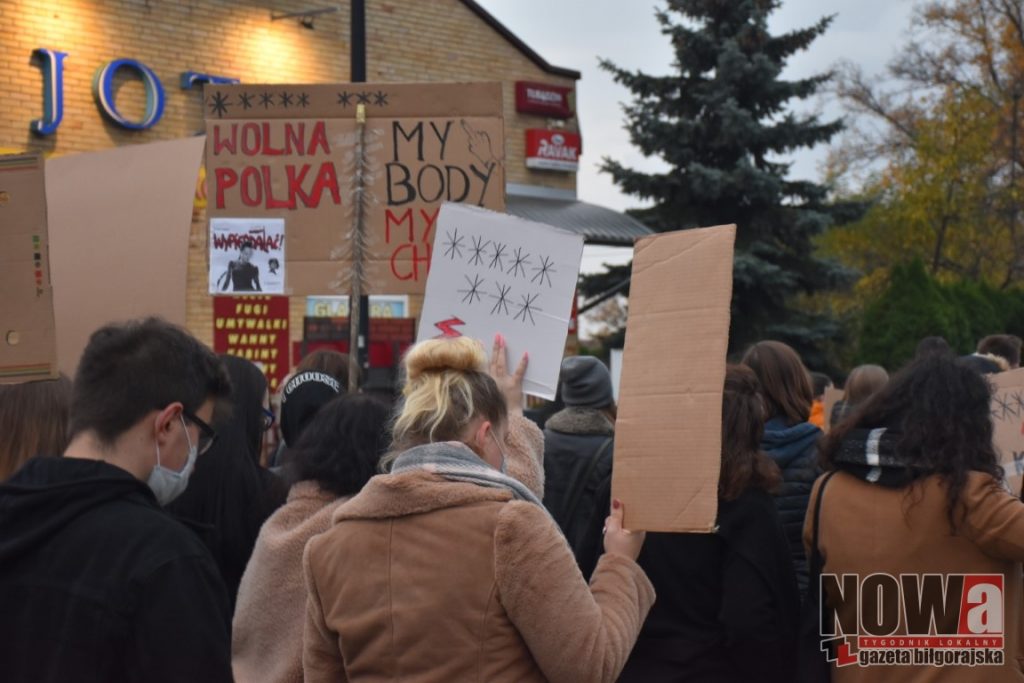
(447, 327)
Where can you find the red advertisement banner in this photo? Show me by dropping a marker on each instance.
(254, 328)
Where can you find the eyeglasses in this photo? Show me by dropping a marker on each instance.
(268, 419)
(207, 434)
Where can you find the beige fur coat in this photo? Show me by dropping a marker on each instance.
(266, 641)
(424, 580)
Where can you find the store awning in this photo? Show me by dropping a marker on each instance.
(597, 224)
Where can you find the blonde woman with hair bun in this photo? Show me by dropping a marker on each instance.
(447, 567)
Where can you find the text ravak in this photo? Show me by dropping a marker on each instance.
(307, 182)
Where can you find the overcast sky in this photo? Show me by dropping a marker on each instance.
(576, 33)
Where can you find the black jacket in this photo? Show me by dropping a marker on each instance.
(98, 584)
(727, 607)
(578, 479)
(795, 450)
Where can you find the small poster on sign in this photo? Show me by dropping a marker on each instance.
(496, 274)
(246, 255)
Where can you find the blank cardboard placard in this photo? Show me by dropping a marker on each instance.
(668, 431)
(289, 151)
(119, 229)
(1008, 424)
(491, 273)
(28, 346)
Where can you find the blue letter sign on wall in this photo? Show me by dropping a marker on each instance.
(190, 78)
(103, 90)
(52, 64)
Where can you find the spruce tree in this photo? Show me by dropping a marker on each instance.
(721, 123)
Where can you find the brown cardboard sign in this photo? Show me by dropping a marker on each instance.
(668, 430)
(28, 346)
(290, 152)
(119, 230)
(1008, 424)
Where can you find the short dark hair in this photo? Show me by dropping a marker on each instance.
(784, 380)
(342, 446)
(933, 346)
(129, 369)
(1003, 345)
(247, 244)
(821, 382)
(744, 466)
(327, 361)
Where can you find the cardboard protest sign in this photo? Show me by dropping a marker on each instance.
(28, 343)
(668, 429)
(119, 230)
(290, 152)
(1008, 424)
(254, 328)
(829, 400)
(493, 273)
(247, 255)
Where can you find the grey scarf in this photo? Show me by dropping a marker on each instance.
(456, 462)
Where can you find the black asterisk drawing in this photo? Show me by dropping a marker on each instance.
(1001, 409)
(304, 100)
(345, 99)
(245, 99)
(473, 293)
(502, 297)
(527, 309)
(543, 271)
(267, 100)
(286, 99)
(519, 264)
(363, 98)
(477, 257)
(380, 98)
(220, 104)
(497, 255)
(453, 245)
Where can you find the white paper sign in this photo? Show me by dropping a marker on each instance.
(491, 273)
(246, 255)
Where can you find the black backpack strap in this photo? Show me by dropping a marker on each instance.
(816, 561)
(574, 500)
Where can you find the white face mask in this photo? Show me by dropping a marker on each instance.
(168, 484)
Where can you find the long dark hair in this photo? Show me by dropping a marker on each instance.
(341, 446)
(784, 380)
(744, 466)
(939, 407)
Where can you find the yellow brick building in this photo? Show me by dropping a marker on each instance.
(406, 41)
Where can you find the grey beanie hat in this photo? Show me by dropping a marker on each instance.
(586, 383)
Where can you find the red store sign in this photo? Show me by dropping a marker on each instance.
(254, 328)
(553, 150)
(543, 99)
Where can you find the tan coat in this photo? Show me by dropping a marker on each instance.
(423, 580)
(266, 640)
(867, 528)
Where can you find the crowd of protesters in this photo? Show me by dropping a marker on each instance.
(153, 528)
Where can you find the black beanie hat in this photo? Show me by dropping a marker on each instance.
(303, 396)
(586, 383)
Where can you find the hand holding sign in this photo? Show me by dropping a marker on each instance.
(511, 385)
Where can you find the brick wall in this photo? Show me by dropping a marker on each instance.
(425, 40)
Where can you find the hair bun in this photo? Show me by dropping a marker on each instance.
(460, 354)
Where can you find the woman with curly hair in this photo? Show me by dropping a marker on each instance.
(918, 490)
(448, 568)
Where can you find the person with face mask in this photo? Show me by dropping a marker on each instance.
(448, 568)
(97, 582)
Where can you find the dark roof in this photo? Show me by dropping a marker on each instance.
(517, 41)
(597, 224)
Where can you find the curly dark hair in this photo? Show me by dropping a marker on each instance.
(341, 447)
(939, 407)
(744, 466)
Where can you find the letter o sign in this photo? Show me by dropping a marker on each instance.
(103, 91)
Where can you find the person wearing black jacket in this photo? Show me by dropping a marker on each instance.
(727, 607)
(578, 445)
(97, 583)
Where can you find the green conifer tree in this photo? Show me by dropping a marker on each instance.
(720, 121)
